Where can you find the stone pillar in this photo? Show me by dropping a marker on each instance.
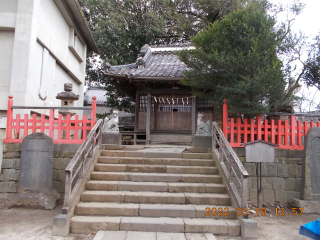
(310, 184)
(193, 115)
(148, 117)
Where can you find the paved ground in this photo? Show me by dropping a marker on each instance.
(27, 224)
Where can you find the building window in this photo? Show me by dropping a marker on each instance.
(143, 104)
(204, 105)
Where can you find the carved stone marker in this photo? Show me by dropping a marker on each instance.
(310, 182)
(35, 182)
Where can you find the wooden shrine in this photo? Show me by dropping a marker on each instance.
(165, 110)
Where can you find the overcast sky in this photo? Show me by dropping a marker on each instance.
(309, 23)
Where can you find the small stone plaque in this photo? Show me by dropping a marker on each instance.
(310, 187)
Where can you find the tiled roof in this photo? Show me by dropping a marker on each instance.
(153, 62)
(97, 92)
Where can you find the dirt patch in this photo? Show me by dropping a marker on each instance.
(24, 223)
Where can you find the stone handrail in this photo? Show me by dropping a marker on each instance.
(236, 176)
(79, 165)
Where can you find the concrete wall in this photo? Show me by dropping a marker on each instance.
(281, 180)
(9, 178)
(40, 47)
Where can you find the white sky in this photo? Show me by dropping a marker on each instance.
(309, 23)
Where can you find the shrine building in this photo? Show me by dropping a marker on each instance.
(166, 111)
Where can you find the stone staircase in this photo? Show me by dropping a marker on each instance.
(155, 191)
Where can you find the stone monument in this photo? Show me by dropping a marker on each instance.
(310, 182)
(110, 130)
(35, 181)
(203, 134)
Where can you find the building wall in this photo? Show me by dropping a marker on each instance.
(40, 48)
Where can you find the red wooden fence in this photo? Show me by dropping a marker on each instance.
(70, 130)
(287, 134)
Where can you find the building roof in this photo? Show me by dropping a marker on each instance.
(98, 92)
(153, 62)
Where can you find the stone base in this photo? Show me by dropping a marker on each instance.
(203, 141)
(309, 206)
(111, 138)
(61, 225)
(249, 229)
(28, 198)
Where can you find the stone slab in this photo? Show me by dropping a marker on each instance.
(92, 224)
(167, 210)
(146, 154)
(187, 187)
(155, 197)
(106, 235)
(102, 185)
(152, 177)
(103, 196)
(141, 235)
(170, 236)
(200, 236)
(152, 224)
(107, 209)
(143, 186)
(197, 225)
(110, 176)
(201, 178)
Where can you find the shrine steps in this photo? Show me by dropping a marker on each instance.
(155, 192)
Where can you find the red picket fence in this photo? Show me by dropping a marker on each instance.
(287, 134)
(71, 130)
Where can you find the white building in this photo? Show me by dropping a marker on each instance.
(43, 44)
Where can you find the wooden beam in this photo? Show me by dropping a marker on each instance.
(148, 117)
(193, 115)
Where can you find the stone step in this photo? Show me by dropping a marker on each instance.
(102, 167)
(155, 210)
(155, 154)
(156, 197)
(157, 161)
(155, 186)
(130, 235)
(92, 224)
(141, 154)
(197, 155)
(155, 177)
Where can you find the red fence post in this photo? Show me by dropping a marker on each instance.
(9, 118)
(225, 118)
(51, 123)
(93, 111)
(259, 128)
(293, 130)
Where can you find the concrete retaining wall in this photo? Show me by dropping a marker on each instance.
(9, 178)
(281, 180)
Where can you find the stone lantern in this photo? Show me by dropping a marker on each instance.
(67, 100)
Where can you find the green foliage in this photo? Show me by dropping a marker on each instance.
(236, 59)
(121, 28)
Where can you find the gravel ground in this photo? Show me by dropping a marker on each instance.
(27, 224)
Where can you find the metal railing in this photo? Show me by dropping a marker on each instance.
(80, 163)
(236, 176)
